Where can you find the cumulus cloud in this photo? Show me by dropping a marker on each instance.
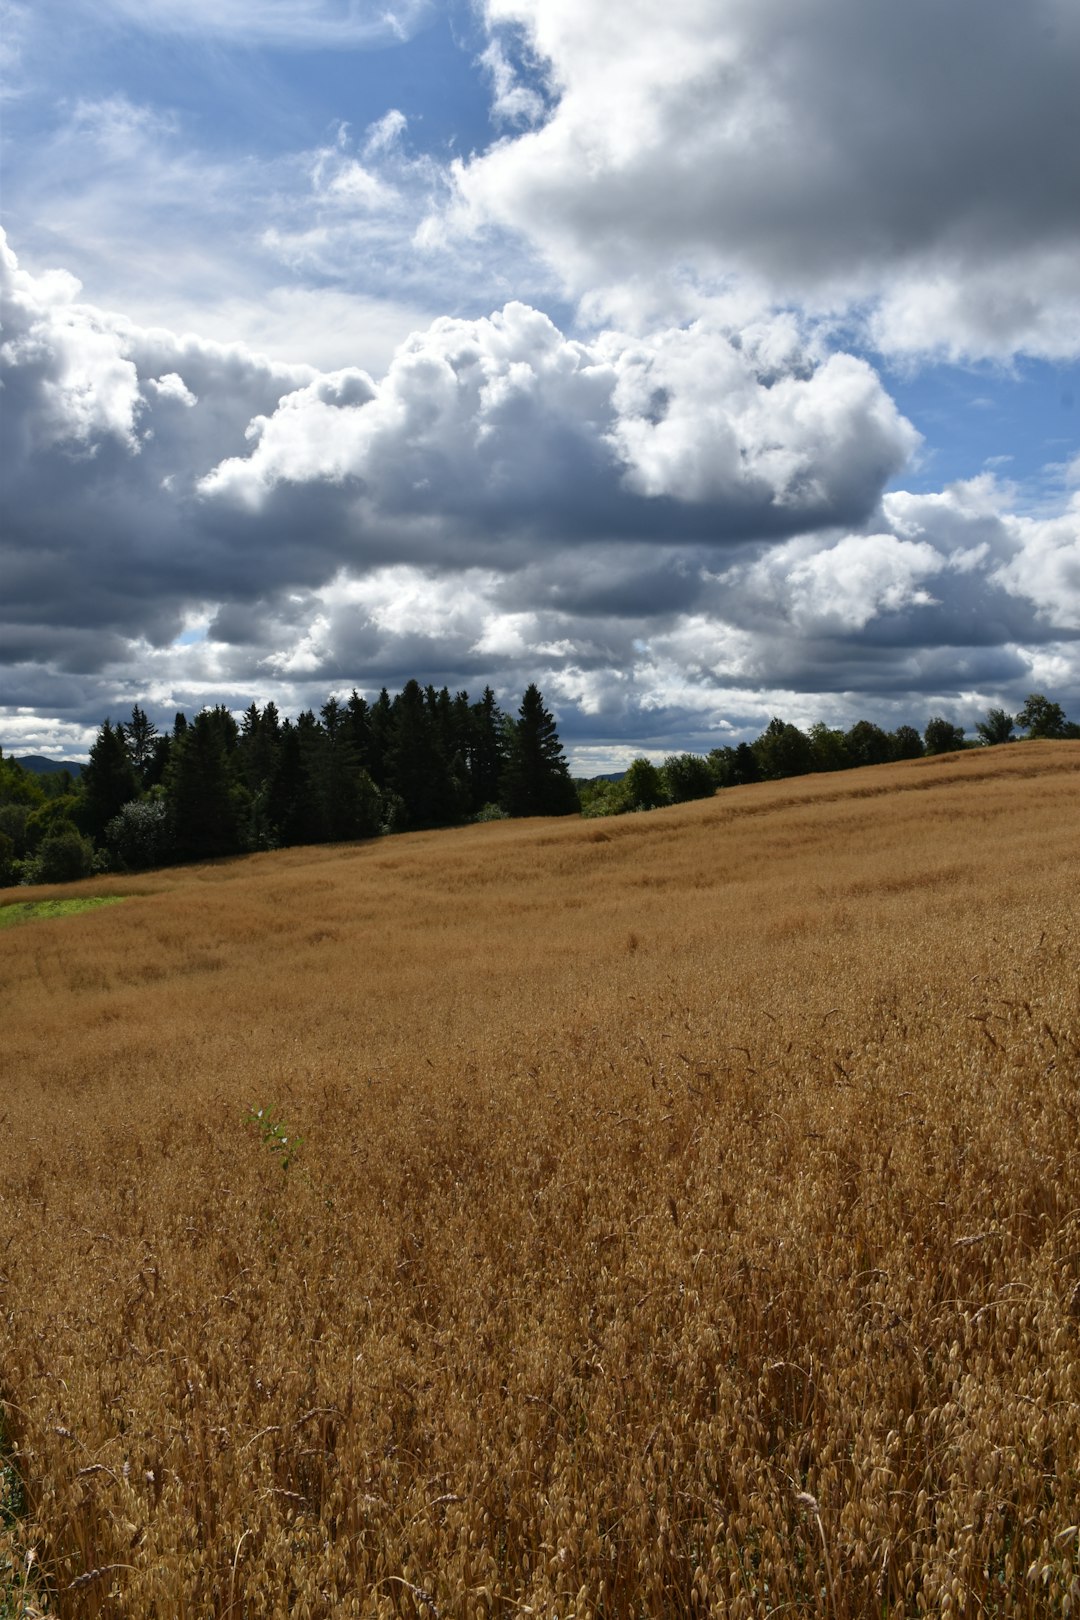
(675, 533)
(508, 421)
(884, 158)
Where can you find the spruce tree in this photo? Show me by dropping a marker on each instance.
(108, 781)
(201, 790)
(140, 734)
(486, 756)
(536, 781)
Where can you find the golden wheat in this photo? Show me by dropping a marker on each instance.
(687, 1220)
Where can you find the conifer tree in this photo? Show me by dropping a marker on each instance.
(140, 734)
(108, 780)
(381, 726)
(486, 758)
(536, 780)
(201, 790)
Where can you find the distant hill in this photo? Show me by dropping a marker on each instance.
(40, 766)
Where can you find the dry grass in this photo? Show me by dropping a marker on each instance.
(687, 1223)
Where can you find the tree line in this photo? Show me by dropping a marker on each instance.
(216, 786)
(784, 750)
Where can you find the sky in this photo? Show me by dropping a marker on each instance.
(699, 360)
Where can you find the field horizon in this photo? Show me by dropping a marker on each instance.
(670, 1214)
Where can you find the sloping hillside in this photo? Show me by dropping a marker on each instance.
(687, 1217)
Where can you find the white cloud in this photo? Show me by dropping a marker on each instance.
(676, 534)
(303, 254)
(700, 416)
(872, 158)
(1045, 565)
(87, 386)
(845, 585)
(172, 386)
(1025, 300)
(298, 24)
(513, 102)
(483, 413)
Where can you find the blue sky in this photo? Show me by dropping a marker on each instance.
(699, 362)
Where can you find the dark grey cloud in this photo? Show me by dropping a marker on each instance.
(677, 534)
(921, 157)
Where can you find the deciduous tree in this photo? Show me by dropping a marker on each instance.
(1041, 718)
(942, 737)
(996, 728)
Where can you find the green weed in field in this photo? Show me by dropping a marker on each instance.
(20, 911)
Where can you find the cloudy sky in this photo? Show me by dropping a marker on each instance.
(700, 360)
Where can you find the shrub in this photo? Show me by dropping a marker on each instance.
(138, 837)
(65, 856)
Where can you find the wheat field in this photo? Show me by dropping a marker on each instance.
(686, 1221)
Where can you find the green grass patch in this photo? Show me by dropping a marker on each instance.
(20, 911)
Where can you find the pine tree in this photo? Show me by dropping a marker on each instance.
(486, 758)
(201, 791)
(350, 797)
(381, 726)
(140, 735)
(536, 781)
(414, 763)
(359, 728)
(108, 781)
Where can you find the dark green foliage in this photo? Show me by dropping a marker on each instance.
(259, 747)
(599, 796)
(203, 796)
(349, 797)
(108, 781)
(942, 737)
(60, 784)
(140, 837)
(734, 767)
(830, 748)
(996, 728)
(686, 777)
(644, 786)
(536, 780)
(288, 810)
(485, 757)
(783, 750)
(48, 817)
(380, 720)
(13, 819)
(422, 759)
(19, 786)
(746, 765)
(7, 860)
(358, 727)
(906, 743)
(141, 735)
(417, 767)
(867, 744)
(1041, 718)
(64, 856)
(154, 773)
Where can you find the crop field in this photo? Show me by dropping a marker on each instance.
(671, 1215)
